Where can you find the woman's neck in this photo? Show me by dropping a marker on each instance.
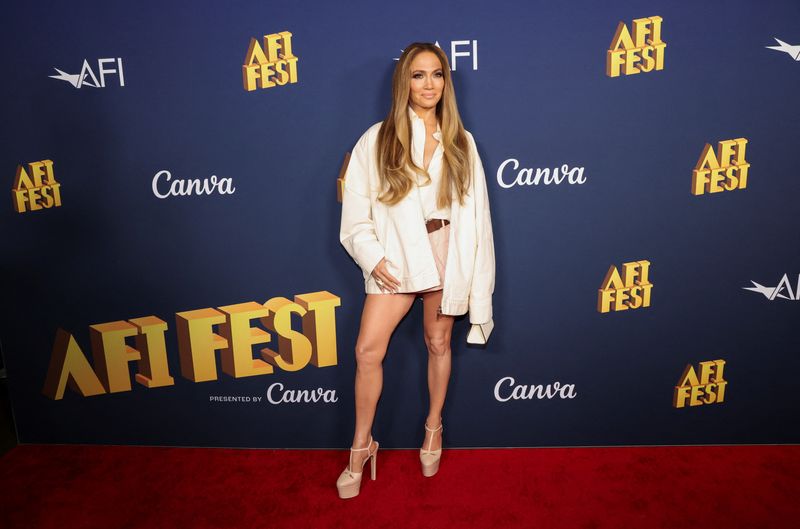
(427, 115)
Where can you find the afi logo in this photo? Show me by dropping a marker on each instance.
(784, 289)
(792, 50)
(87, 76)
(460, 48)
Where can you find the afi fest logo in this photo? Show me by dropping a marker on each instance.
(724, 171)
(272, 64)
(36, 188)
(630, 290)
(783, 290)
(202, 334)
(641, 52)
(708, 388)
(459, 48)
(87, 76)
(792, 51)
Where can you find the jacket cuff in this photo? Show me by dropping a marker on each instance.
(369, 255)
(480, 310)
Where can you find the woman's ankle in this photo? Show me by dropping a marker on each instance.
(433, 422)
(360, 442)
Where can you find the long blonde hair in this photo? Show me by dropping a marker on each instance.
(395, 166)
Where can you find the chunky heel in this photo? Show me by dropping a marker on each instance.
(349, 482)
(430, 458)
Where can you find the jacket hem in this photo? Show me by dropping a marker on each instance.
(411, 285)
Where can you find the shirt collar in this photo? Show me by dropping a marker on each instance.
(413, 116)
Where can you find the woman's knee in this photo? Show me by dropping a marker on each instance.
(438, 344)
(368, 355)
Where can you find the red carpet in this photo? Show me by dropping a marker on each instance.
(669, 487)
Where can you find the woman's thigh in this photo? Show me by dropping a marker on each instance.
(381, 314)
(437, 327)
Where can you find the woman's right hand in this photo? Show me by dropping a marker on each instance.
(384, 279)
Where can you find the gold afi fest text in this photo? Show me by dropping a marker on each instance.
(36, 188)
(198, 344)
(631, 290)
(724, 171)
(641, 52)
(708, 388)
(274, 64)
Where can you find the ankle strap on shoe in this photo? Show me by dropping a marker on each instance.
(369, 454)
(430, 442)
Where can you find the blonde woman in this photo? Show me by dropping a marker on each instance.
(415, 218)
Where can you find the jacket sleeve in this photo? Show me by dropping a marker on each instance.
(357, 229)
(480, 295)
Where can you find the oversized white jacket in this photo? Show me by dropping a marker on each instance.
(370, 230)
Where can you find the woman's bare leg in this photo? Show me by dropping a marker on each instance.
(437, 330)
(382, 313)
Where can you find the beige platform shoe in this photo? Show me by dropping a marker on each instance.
(430, 458)
(349, 482)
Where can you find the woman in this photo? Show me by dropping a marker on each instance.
(415, 218)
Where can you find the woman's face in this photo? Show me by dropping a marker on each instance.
(427, 80)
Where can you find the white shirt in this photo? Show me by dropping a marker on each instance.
(371, 230)
(428, 190)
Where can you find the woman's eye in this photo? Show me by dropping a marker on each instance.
(439, 74)
(417, 76)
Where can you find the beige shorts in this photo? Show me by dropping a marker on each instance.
(439, 242)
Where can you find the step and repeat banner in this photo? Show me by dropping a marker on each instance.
(172, 273)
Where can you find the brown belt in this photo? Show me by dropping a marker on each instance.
(434, 224)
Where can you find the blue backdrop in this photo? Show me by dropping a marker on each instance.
(532, 86)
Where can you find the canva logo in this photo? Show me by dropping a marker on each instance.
(641, 51)
(87, 76)
(36, 188)
(201, 334)
(164, 186)
(276, 394)
(270, 65)
(507, 389)
(792, 51)
(707, 388)
(724, 170)
(630, 290)
(784, 289)
(509, 175)
(464, 49)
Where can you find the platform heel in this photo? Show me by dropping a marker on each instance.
(430, 458)
(349, 482)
